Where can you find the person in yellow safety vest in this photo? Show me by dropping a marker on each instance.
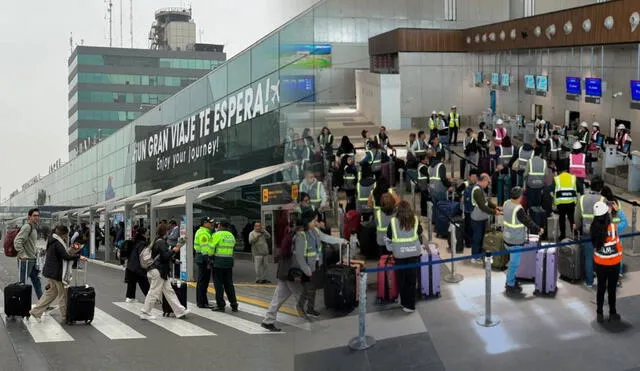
(314, 189)
(202, 247)
(373, 159)
(223, 244)
(433, 125)
(583, 218)
(564, 190)
(383, 139)
(383, 217)
(420, 145)
(454, 125)
(534, 176)
(364, 187)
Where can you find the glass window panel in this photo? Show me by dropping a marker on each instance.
(218, 83)
(90, 59)
(239, 71)
(264, 57)
(296, 42)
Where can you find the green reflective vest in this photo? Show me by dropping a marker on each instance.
(202, 241)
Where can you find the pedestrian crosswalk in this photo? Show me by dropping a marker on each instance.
(125, 324)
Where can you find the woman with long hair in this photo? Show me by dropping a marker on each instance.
(134, 273)
(158, 275)
(607, 256)
(404, 240)
(383, 217)
(345, 150)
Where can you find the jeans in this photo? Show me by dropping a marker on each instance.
(407, 283)
(514, 263)
(477, 239)
(204, 275)
(607, 281)
(224, 284)
(588, 260)
(31, 267)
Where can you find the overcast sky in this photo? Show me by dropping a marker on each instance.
(35, 49)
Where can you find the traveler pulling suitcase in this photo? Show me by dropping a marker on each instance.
(180, 288)
(17, 298)
(81, 301)
(340, 286)
(387, 291)
(570, 261)
(527, 268)
(430, 274)
(546, 280)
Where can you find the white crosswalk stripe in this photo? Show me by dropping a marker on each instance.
(226, 319)
(49, 330)
(282, 317)
(171, 324)
(112, 327)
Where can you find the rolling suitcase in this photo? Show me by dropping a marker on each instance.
(503, 191)
(546, 280)
(389, 173)
(367, 240)
(527, 268)
(340, 284)
(553, 231)
(81, 301)
(457, 237)
(447, 209)
(17, 298)
(539, 216)
(387, 286)
(493, 243)
(570, 261)
(430, 274)
(180, 288)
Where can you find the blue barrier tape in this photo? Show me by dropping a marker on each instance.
(482, 255)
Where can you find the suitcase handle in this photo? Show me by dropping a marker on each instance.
(75, 276)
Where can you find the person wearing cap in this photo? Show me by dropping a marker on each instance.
(222, 245)
(564, 190)
(622, 140)
(534, 175)
(558, 151)
(470, 149)
(607, 255)
(514, 233)
(583, 217)
(482, 209)
(578, 165)
(498, 134)
(203, 249)
(583, 136)
(454, 125)
(542, 137)
(433, 125)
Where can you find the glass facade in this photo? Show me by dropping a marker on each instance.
(123, 79)
(100, 115)
(146, 62)
(116, 97)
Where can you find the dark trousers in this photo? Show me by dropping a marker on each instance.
(468, 229)
(453, 136)
(565, 211)
(580, 185)
(132, 278)
(424, 205)
(534, 197)
(407, 283)
(223, 283)
(477, 238)
(204, 276)
(307, 301)
(607, 281)
(351, 200)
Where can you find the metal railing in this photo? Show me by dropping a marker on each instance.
(363, 341)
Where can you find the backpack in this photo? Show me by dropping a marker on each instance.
(146, 256)
(9, 247)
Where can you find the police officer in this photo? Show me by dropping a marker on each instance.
(202, 247)
(583, 218)
(565, 194)
(516, 223)
(222, 245)
(454, 125)
(433, 125)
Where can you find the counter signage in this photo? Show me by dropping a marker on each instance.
(278, 194)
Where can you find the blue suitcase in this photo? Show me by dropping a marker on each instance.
(447, 209)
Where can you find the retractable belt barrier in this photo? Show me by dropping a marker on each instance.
(363, 341)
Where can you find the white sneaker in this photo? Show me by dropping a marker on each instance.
(35, 319)
(148, 317)
(186, 311)
(129, 300)
(407, 310)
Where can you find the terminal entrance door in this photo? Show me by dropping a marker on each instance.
(572, 119)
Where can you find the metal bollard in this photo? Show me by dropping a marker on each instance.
(401, 184)
(362, 341)
(413, 195)
(452, 277)
(487, 320)
(634, 229)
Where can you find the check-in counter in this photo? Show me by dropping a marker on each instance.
(634, 172)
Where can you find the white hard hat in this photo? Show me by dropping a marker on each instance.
(577, 145)
(584, 124)
(543, 122)
(434, 113)
(441, 113)
(600, 208)
(499, 122)
(453, 107)
(621, 127)
(596, 124)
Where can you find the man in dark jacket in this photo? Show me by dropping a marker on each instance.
(56, 255)
(134, 273)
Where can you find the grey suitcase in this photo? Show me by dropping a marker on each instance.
(553, 228)
(570, 261)
(546, 279)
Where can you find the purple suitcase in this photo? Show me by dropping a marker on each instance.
(389, 172)
(546, 272)
(430, 274)
(527, 268)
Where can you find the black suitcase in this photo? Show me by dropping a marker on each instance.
(340, 287)
(459, 222)
(367, 239)
(539, 216)
(180, 288)
(17, 298)
(81, 301)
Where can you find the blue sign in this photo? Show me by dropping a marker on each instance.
(477, 78)
(593, 86)
(506, 79)
(298, 88)
(574, 85)
(635, 90)
(541, 83)
(495, 79)
(529, 82)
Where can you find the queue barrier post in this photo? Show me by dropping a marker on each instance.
(452, 277)
(362, 341)
(401, 183)
(487, 320)
(413, 194)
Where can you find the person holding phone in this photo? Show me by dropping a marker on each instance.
(260, 250)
